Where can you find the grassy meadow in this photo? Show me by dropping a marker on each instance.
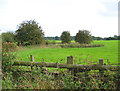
(81, 55)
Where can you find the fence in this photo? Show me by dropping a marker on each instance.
(74, 68)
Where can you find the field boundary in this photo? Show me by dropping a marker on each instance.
(74, 68)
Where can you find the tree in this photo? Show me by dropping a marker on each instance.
(56, 38)
(65, 37)
(83, 37)
(8, 37)
(110, 38)
(30, 33)
(99, 38)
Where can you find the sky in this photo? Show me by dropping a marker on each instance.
(100, 17)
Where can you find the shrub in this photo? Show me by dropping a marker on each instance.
(83, 37)
(8, 37)
(50, 42)
(47, 42)
(53, 42)
(65, 37)
(8, 55)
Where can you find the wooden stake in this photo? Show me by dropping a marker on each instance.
(70, 61)
(32, 60)
(101, 62)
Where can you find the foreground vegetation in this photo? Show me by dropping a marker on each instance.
(37, 80)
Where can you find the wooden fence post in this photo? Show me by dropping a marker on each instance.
(32, 60)
(101, 72)
(70, 61)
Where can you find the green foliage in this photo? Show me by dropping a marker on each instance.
(99, 38)
(8, 37)
(50, 42)
(30, 33)
(65, 37)
(83, 37)
(57, 38)
(64, 80)
(8, 55)
(111, 38)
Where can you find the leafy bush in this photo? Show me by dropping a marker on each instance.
(8, 55)
(8, 37)
(65, 37)
(83, 37)
(53, 42)
(50, 42)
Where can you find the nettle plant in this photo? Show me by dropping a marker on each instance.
(8, 55)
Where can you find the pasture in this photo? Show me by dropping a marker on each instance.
(81, 55)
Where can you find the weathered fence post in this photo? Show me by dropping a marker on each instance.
(70, 61)
(101, 72)
(32, 60)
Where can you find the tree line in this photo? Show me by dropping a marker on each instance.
(115, 37)
(30, 33)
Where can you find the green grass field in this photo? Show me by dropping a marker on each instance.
(81, 55)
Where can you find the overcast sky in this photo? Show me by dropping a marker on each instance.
(55, 16)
